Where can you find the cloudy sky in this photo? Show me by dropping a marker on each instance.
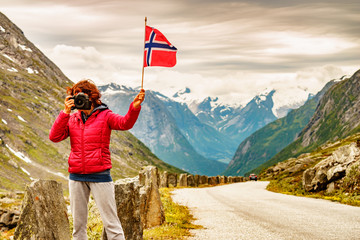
(226, 48)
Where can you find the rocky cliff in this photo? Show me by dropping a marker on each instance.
(336, 117)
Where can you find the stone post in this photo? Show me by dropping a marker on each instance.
(151, 208)
(183, 180)
(190, 180)
(197, 180)
(164, 181)
(172, 179)
(44, 213)
(127, 198)
(203, 180)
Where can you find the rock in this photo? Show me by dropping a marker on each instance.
(151, 208)
(307, 178)
(44, 213)
(6, 218)
(330, 187)
(330, 169)
(127, 196)
(295, 168)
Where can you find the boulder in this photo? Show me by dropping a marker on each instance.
(44, 213)
(8, 219)
(127, 196)
(331, 168)
(151, 208)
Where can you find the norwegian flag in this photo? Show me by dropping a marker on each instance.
(158, 50)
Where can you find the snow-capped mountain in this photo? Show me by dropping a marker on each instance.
(171, 131)
(190, 133)
(236, 123)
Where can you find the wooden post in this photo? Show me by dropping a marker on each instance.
(142, 77)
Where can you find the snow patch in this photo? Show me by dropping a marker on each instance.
(56, 173)
(24, 170)
(25, 48)
(111, 91)
(5, 122)
(8, 57)
(261, 98)
(21, 119)
(162, 98)
(19, 154)
(10, 110)
(31, 71)
(2, 29)
(12, 69)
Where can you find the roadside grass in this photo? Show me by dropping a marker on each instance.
(347, 189)
(292, 185)
(178, 220)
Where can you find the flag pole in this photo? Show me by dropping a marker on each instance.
(142, 78)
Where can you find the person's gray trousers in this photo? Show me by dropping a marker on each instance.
(104, 196)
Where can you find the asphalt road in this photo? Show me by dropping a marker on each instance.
(248, 211)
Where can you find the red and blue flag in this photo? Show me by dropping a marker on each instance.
(158, 50)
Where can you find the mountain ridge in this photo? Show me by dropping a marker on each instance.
(160, 131)
(272, 138)
(335, 118)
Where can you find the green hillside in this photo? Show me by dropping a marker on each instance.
(271, 139)
(336, 117)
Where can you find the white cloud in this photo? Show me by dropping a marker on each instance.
(230, 49)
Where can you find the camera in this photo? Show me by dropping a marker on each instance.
(81, 101)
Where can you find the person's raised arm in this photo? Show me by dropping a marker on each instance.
(139, 98)
(118, 122)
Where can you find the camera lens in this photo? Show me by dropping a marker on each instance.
(79, 102)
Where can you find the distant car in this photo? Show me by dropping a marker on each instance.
(253, 177)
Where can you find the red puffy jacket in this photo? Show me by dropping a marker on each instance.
(90, 141)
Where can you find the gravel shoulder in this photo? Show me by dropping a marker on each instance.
(247, 211)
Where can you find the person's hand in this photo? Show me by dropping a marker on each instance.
(68, 104)
(139, 99)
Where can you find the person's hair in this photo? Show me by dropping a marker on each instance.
(86, 86)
